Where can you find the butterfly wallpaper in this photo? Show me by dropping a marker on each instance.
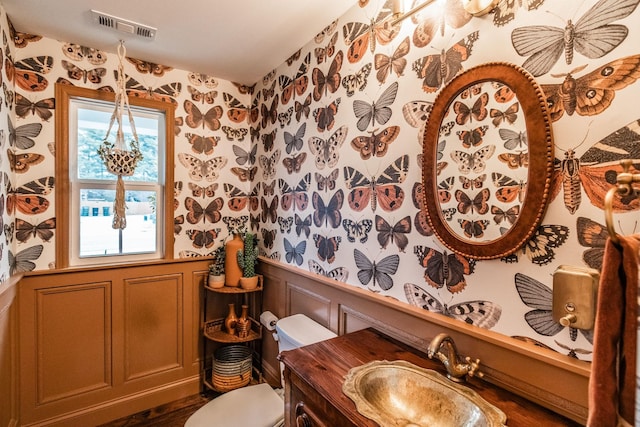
(215, 160)
(369, 95)
(320, 155)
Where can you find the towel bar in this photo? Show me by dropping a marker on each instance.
(623, 187)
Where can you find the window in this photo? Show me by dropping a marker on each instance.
(90, 188)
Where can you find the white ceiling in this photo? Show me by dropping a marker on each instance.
(237, 40)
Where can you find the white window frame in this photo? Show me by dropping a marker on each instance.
(76, 185)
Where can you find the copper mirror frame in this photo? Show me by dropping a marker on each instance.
(465, 99)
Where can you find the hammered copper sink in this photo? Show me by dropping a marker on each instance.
(399, 393)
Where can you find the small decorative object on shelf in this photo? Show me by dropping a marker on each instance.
(231, 321)
(216, 268)
(243, 325)
(247, 260)
(215, 330)
(232, 270)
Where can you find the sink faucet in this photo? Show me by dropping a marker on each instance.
(456, 371)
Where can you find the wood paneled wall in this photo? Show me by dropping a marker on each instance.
(553, 380)
(98, 344)
(8, 355)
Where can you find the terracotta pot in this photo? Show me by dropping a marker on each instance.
(231, 321)
(232, 270)
(249, 283)
(216, 281)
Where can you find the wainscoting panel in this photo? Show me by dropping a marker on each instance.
(8, 353)
(73, 340)
(197, 319)
(314, 305)
(93, 350)
(153, 325)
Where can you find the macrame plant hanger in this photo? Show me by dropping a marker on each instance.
(119, 159)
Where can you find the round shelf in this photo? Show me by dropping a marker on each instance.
(214, 330)
(232, 290)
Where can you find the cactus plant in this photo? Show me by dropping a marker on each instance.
(216, 268)
(248, 258)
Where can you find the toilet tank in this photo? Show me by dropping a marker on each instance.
(299, 330)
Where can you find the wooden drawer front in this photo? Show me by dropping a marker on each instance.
(309, 409)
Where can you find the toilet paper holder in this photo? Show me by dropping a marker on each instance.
(268, 320)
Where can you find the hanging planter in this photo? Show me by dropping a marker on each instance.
(119, 158)
(120, 162)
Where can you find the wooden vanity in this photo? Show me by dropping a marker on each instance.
(314, 375)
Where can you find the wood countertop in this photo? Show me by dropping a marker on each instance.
(323, 366)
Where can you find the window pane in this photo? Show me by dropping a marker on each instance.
(92, 238)
(92, 128)
(96, 214)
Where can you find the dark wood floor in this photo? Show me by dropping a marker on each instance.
(173, 414)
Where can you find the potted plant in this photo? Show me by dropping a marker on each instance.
(216, 268)
(247, 260)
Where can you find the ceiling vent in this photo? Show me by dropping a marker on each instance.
(124, 25)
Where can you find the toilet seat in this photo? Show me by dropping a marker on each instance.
(255, 406)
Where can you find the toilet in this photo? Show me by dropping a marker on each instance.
(267, 405)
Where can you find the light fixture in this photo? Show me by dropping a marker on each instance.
(399, 14)
(479, 7)
(118, 158)
(474, 7)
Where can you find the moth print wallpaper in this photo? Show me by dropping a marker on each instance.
(215, 161)
(362, 93)
(322, 157)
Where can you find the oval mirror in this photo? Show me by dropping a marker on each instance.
(487, 161)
